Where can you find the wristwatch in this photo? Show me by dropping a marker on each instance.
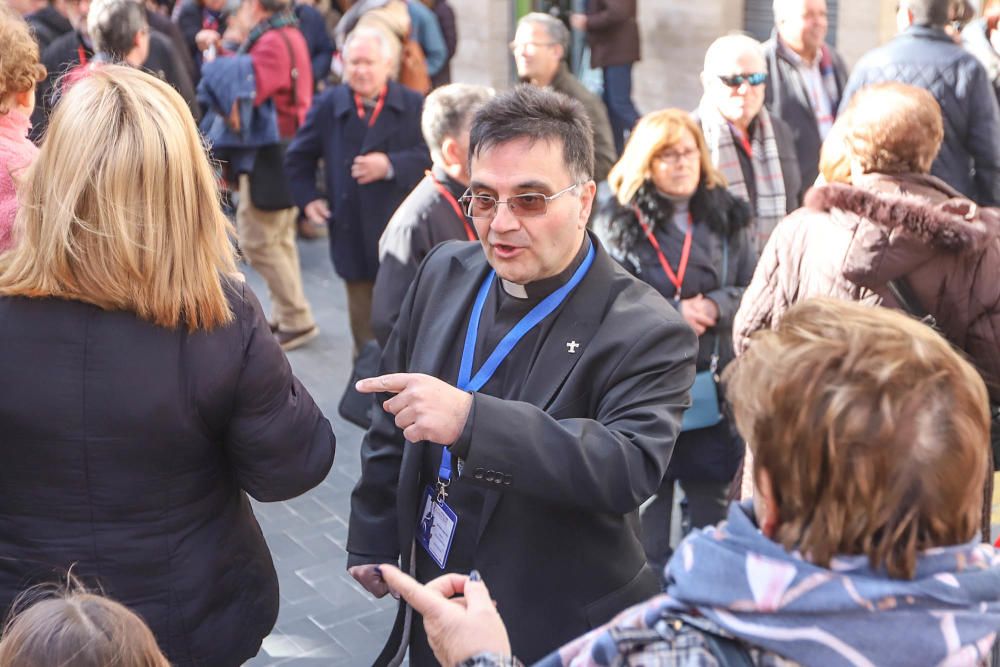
(490, 660)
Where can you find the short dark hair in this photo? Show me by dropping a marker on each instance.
(529, 112)
(275, 6)
(930, 12)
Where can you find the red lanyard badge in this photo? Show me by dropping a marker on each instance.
(376, 111)
(450, 198)
(677, 279)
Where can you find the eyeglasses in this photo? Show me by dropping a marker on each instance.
(527, 205)
(737, 80)
(514, 46)
(673, 158)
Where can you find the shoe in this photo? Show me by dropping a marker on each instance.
(289, 340)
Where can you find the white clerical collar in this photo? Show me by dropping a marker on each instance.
(514, 290)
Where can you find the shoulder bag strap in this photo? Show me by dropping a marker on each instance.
(294, 74)
(903, 292)
(725, 277)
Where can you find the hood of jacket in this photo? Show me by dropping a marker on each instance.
(901, 222)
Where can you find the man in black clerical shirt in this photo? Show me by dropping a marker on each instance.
(431, 213)
(531, 392)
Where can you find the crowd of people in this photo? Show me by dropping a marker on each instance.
(778, 305)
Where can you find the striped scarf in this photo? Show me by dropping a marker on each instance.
(770, 206)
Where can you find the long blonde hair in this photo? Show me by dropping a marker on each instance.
(654, 132)
(121, 208)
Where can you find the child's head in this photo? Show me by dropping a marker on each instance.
(78, 629)
(19, 66)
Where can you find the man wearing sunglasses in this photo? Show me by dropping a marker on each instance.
(754, 150)
(528, 398)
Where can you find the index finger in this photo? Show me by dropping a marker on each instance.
(392, 383)
(422, 598)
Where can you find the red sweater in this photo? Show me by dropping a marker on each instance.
(272, 69)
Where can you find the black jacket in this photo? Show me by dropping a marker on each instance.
(48, 24)
(64, 54)
(969, 160)
(128, 452)
(424, 219)
(334, 134)
(786, 98)
(564, 466)
(708, 454)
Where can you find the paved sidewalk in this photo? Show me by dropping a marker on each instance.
(325, 618)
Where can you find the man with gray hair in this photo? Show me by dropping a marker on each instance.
(924, 55)
(539, 47)
(431, 213)
(120, 31)
(367, 133)
(754, 150)
(806, 78)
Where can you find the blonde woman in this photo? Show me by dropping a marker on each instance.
(678, 229)
(144, 395)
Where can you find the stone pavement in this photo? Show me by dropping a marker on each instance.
(325, 617)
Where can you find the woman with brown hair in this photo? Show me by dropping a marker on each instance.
(75, 628)
(20, 72)
(679, 229)
(861, 547)
(144, 395)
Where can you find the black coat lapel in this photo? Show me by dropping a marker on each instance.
(576, 322)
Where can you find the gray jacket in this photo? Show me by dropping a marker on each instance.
(923, 56)
(787, 98)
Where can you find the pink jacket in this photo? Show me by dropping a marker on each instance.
(16, 153)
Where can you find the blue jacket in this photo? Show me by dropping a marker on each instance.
(313, 28)
(427, 32)
(225, 82)
(927, 57)
(334, 133)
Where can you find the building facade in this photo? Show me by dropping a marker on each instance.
(675, 34)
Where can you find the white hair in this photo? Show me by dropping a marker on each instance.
(388, 44)
(731, 47)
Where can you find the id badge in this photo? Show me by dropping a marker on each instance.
(436, 529)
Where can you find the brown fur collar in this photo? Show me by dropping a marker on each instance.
(952, 224)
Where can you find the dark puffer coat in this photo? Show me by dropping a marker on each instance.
(128, 452)
(848, 242)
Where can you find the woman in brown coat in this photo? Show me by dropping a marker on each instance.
(882, 221)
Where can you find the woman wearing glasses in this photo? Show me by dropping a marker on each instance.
(679, 230)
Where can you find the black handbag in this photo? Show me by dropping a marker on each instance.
(269, 189)
(354, 406)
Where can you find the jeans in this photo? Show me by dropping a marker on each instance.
(618, 99)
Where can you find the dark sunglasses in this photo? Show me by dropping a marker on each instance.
(736, 80)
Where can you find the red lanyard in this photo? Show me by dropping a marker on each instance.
(378, 107)
(676, 278)
(82, 55)
(745, 142)
(450, 198)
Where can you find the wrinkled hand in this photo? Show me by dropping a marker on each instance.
(370, 576)
(578, 21)
(700, 313)
(370, 168)
(206, 38)
(425, 408)
(457, 628)
(317, 211)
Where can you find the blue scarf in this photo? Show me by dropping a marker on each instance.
(847, 615)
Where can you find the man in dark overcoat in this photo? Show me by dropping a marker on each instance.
(531, 393)
(367, 133)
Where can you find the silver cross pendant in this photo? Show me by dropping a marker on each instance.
(571, 346)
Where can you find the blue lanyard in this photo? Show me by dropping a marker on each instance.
(468, 382)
